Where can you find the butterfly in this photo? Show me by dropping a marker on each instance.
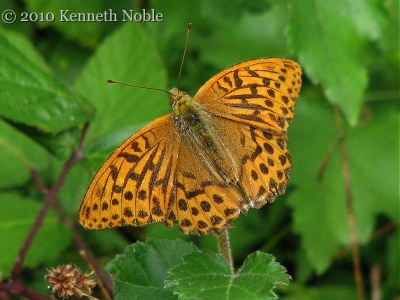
(215, 155)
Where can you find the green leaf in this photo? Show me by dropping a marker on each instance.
(17, 216)
(208, 276)
(320, 213)
(20, 155)
(30, 95)
(368, 19)
(140, 272)
(315, 31)
(130, 56)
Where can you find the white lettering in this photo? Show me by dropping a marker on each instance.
(106, 16)
(127, 16)
(112, 16)
(142, 16)
(63, 15)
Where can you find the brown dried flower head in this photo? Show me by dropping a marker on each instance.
(68, 280)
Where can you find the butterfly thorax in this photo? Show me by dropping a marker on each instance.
(193, 121)
(186, 112)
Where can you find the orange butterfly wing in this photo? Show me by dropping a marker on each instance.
(259, 92)
(135, 185)
(204, 203)
(261, 159)
(251, 103)
(158, 175)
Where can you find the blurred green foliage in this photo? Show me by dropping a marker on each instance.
(53, 80)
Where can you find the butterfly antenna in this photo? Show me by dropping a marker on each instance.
(138, 86)
(184, 52)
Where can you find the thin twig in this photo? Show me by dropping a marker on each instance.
(375, 275)
(19, 261)
(326, 159)
(19, 289)
(50, 200)
(349, 205)
(102, 277)
(225, 248)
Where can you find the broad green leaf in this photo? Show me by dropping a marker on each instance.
(369, 18)
(208, 276)
(30, 95)
(128, 55)
(20, 155)
(314, 34)
(17, 216)
(140, 272)
(320, 213)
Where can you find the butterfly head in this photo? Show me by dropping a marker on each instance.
(176, 95)
(179, 101)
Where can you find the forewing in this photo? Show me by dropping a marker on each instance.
(135, 185)
(259, 92)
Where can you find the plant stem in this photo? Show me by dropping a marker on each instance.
(350, 205)
(50, 200)
(376, 275)
(19, 289)
(225, 248)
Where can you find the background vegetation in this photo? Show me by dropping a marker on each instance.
(344, 140)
